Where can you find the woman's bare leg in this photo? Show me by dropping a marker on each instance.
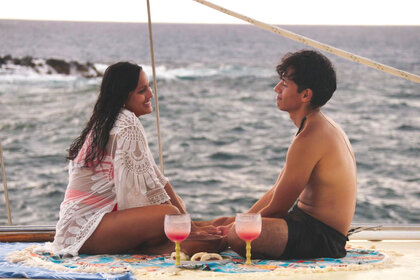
(124, 230)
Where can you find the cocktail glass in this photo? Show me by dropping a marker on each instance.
(248, 228)
(177, 228)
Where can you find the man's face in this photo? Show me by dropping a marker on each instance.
(288, 97)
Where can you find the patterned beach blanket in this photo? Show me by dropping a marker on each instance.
(24, 257)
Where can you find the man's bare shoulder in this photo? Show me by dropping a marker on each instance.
(320, 136)
(316, 133)
(308, 145)
(323, 129)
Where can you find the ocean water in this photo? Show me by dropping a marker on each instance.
(224, 140)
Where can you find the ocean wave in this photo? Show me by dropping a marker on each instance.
(200, 71)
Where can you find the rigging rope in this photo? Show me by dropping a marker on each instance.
(152, 54)
(317, 45)
(6, 192)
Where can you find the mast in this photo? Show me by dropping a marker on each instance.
(152, 54)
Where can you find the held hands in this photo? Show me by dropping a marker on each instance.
(201, 230)
(217, 227)
(204, 238)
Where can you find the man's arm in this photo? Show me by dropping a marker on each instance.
(265, 199)
(303, 155)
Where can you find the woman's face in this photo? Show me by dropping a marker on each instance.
(139, 100)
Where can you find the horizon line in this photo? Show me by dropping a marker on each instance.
(209, 23)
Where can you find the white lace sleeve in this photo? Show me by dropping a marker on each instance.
(137, 179)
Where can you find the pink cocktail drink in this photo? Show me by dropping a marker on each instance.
(177, 228)
(248, 228)
(249, 234)
(177, 235)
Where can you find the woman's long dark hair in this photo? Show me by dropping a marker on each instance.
(119, 80)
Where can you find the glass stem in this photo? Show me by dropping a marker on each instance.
(178, 254)
(248, 252)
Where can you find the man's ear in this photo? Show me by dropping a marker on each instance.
(307, 95)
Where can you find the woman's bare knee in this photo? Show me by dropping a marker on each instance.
(169, 209)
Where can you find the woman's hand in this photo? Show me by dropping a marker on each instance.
(176, 200)
(225, 229)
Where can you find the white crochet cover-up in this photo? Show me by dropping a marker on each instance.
(127, 176)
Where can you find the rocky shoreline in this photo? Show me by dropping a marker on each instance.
(50, 66)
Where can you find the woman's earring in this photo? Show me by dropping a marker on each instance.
(124, 105)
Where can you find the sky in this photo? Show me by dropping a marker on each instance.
(284, 12)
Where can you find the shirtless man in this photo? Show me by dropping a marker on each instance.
(319, 173)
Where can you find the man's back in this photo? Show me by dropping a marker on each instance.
(330, 194)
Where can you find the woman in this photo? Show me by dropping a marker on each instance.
(117, 198)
